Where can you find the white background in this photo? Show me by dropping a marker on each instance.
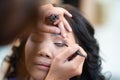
(108, 36)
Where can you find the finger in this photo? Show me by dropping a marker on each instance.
(80, 54)
(66, 24)
(60, 17)
(78, 60)
(83, 52)
(62, 29)
(57, 21)
(50, 29)
(66, 12)
(70, 51)
(80, 68)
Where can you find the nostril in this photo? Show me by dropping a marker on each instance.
(40, 54)
(44, 54)
(47, 56)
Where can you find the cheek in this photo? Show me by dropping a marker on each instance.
(29, 51)
(28, 48)
(58, 50)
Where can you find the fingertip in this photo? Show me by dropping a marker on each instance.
(82, 52)
(70, 30)
(67, 13)
(70, 15)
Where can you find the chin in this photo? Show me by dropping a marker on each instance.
(38, 75)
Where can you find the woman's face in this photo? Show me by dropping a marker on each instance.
(41, 49)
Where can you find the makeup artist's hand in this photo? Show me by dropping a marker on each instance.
(59, 25)
(62, 69)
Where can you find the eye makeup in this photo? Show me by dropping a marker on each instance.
(60, 44)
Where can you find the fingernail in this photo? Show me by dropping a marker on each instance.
(70, 30)
(70, 15)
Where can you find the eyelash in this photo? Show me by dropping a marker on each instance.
(61, 44)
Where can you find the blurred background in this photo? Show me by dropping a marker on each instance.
(104, 15)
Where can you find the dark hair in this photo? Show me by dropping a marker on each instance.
(84, 34)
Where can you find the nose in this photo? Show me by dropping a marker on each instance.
(44, 53)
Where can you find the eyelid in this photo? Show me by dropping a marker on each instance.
(60, 40)
(61, 44)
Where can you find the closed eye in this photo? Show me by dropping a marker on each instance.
(61, 44)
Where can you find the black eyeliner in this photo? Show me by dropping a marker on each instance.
(66, 45)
